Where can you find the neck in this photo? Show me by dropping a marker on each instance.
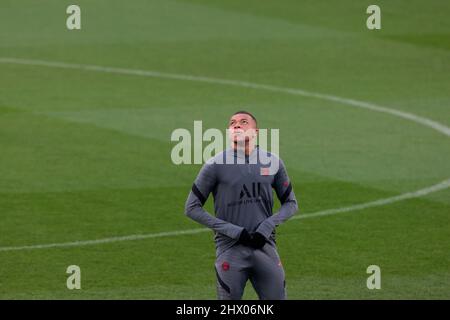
(248, 146)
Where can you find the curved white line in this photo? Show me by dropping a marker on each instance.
(422, 192)
(361, 104)
(156, 74)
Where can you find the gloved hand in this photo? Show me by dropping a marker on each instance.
(245, 238)
(257, 240)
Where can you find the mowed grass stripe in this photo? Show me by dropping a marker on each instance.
(438, 187)
(148, 73)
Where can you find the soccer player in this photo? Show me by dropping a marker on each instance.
(244, 223)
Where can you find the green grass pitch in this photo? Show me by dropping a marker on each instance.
(85, 155)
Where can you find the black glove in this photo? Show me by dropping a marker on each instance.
(258, 240)
(245, 238)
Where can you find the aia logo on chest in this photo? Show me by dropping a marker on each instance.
(252, 191)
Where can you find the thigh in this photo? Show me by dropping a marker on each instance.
(267, 274)
(232, 273)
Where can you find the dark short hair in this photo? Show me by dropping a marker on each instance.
(247, 113)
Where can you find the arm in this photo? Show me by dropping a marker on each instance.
(202, 187)
(285, 194)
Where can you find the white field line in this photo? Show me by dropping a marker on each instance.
(410, 195)
(361, 104)
(155, 74)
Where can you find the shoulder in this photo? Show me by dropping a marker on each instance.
(212, 164)
(266, 156)
(217, 159)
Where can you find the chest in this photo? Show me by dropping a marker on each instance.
(248, 174)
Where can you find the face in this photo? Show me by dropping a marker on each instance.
(242, 128)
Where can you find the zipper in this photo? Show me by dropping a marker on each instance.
(247, 163)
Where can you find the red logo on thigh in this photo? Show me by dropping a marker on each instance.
(225, 266)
